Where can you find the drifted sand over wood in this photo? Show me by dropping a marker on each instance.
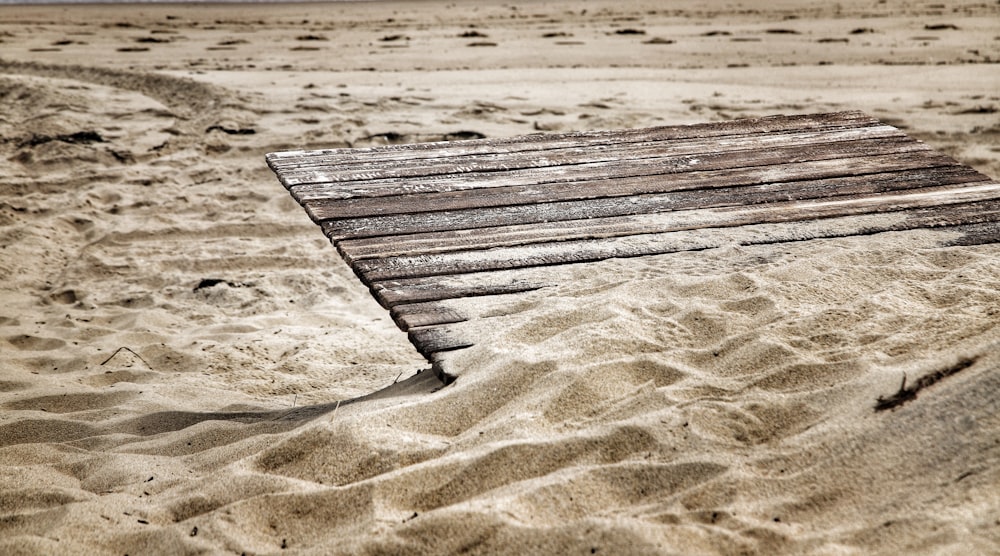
(181, 351)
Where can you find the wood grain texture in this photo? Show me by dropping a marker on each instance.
(414, 315)
(435, 339)
(656, 193)
(599, 239)
(492, 227)
(285, 162)
(667, 162)
(385, 179)
(426, 223)
(527, 279)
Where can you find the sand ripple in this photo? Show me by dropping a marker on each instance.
(186, 366)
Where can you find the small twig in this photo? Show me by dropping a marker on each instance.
(295, 400)
(397, 377)
(338, 406)
(908, 394)
(130, 350)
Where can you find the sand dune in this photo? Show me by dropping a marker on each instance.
(186, 365)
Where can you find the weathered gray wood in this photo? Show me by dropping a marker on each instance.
(390, 293)
(597, 218)
(602, 197)
(435, 339)
(414, 315)
(291, 160)
(649, 234)
(580, 182)
(665, 160)
(442, 311)
(665, 168)
(299, 178)
(977, 233)
(661, 181)
(519, 280)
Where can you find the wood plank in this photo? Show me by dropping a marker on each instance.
(485, 205)
(290, 160)
(444, 311)
(658, 181)
(526, 279)
(436, 339)
(977, 233)
(574, 155)
(614, 173)
(579, 182)
(649, 234)
(414, 315)
(979, 225)
(390, 293)
(690, 156)
(494, 227)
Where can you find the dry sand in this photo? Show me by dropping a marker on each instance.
(176, 338)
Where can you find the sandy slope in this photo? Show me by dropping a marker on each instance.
(178, 341)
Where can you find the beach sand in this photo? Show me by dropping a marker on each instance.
(187, 366)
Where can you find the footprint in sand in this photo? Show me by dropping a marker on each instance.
(26, 342)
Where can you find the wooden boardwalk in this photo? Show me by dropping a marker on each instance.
(421, 224)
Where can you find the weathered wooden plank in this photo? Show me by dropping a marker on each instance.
(494, 227)
(445, 310)
(526, 279)
(435, 339)
(574, 155)
(471, 309)
(975, 233)
(462, 211)
(546, 182)
(659, 178)
(414, 315)
(648, 232)
(436, 243)
(538, 170)
(715, 174)
(290, 160)
(415, 290)
(978, 225)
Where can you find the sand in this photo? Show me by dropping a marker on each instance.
(186, 366)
